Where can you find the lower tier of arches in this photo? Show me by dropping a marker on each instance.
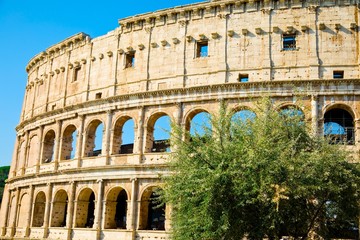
(86, 209)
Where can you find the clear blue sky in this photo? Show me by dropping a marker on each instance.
(29, 27)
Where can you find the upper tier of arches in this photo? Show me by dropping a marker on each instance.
(143, 136)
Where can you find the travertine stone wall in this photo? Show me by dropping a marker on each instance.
(150, 67)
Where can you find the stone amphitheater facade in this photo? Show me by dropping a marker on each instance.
(176, 62)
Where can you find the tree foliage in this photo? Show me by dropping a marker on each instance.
(4, 171)
(265, 177)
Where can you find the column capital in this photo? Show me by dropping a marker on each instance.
(314, 97)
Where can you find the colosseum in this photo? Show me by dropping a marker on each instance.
(171, 64)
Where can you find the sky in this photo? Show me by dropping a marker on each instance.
(29, 27)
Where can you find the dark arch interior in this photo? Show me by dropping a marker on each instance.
(339, 126)
(121, 209)
(91, 211)
(156, 214)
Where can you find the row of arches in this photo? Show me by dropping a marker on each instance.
(116, 211)
(338, 125)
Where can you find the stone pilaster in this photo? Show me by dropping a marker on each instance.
(107, 137)
(98, 215)
(40, 149)
(47, 209)
(139, 138)
(314, 63)
(314, 114)
(80, 139)
(70, 219)
(26, 153)
(133, 207)
(57, 146)
(30, 212)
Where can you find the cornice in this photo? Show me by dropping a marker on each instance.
(249, 88)
(192, 11)
(72, 42)
(88, 170)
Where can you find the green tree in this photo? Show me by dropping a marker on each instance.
(4, 171)
(265, 177)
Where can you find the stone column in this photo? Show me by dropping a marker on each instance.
(314, 114)
(356, 131)
(98, 218)
(56, 156)
(140, 134)
(40, 148)
(168, 210)
(30, 212)
(107, 136)
(267, 70)
(314, 63)
(24, 164)
(80, 139)
(47, 209)
(6, 206)
(70, 218)
(133, 219)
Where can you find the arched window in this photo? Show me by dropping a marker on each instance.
(293, 112)
(158, 133)
(123, 139)
(200, 124)
(240, 119)
(339, 126)
(39, 210)
(48, 146)
(68, 145)
(59, 209)
(85, 211)
(243, 116)
(94, 138)
(152, 211)
(116, 209)
(161, 133)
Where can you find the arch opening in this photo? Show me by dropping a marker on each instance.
(48, 147)
(85, 211)
(69, 139)
(123, 139)
(94, 137)
(116, 209)
(152, 211)
(339, 127)
(199, 124)
(158, 133)
(243, 116)
(39, 210)
(59, 209)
